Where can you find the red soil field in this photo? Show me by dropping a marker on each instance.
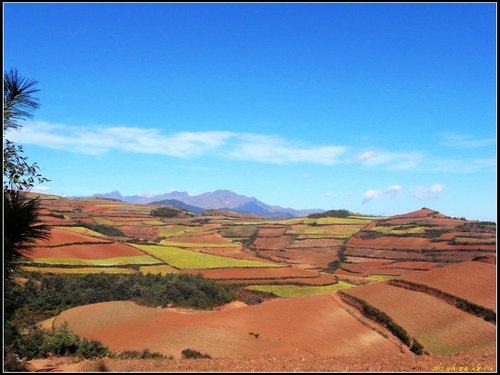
(272, 231)
(200, 238)
(473, 281)
(424, 212)
(402, 362)
(252, 273)
(315, 242)
(316, 258)
(322, 279)
(98, 251)
(230, 252)
(148, 232)
(54, 221)
(60, 236)
(125, 219)
(424, 266)
(438, 326)
(274, 243)
(388, 254)
(316, 324)
(391, 242)
(445, 222)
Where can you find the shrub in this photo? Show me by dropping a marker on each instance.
(193, 354)
(101, 228)
(331, 213)
(37, 343)
(165, 212)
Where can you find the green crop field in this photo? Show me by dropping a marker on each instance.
(381, 277)
(79, 270)
(181, 258)
(102, 220)
(475, 240)
(175, 230)
(300, 291)
(198, 244)
(117, 261)
(153, 222)
(86, 231)
(399, 230)
(325, 231)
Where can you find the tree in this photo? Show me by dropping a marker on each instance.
(22, 226)
(18, 104)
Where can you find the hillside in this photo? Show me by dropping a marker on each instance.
(335, 276)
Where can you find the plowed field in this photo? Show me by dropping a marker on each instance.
(317, 324)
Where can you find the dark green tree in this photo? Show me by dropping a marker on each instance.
(22, 227)
(18, 104)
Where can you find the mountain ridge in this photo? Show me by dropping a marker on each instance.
(221, 199)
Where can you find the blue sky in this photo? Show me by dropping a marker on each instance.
(376, 108)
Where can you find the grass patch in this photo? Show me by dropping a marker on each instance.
(153, 222)
(117, 261)
(85, 231)
(381, 277)
(299, 291)
(181, 258)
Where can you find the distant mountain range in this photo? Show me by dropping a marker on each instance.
(220, 199)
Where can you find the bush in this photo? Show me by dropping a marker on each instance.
(331, 213)
(165, 212)
(134, 354)
(52, 294)
(193, 354)
(37, 343)
(101, 228)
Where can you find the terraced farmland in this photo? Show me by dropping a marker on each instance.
(441, 328)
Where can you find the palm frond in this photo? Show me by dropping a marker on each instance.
(18, 100)
(22, 226)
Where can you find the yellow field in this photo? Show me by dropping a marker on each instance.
(181, 258)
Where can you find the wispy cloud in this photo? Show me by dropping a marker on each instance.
(430, 192)
(274, 149)
(391, 192)
(97, 141)
(455, 140)
(390, 160)
(240, 146)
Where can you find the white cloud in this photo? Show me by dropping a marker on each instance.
(430, 192)
(366, 155)
(241, 146)
(371, 195)
(390, 160)
(394, 190)
(391, 192)
(274, 149)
